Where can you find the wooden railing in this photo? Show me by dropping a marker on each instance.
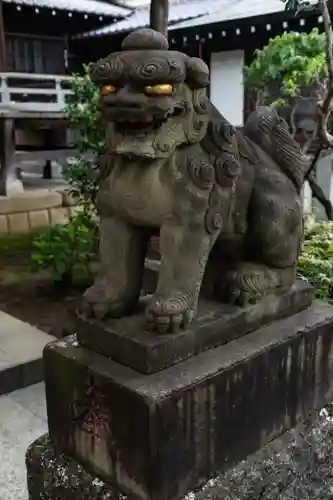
(33, 92)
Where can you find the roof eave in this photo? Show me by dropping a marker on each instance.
(116, 15)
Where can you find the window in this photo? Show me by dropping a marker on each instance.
(35, 55)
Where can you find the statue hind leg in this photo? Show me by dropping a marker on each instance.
(274, 239)
(253, 281)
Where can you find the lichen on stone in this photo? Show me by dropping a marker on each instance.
(297, 466)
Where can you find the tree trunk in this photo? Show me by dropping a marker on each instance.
(159, 14)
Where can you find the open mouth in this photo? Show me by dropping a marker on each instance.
(140, 126)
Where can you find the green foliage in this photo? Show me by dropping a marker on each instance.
(63, 249)
(81, 175)
(83, 110)
(297, 5)
(316, 260)
(286, 64)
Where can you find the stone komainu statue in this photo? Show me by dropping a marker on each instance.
(226, 203)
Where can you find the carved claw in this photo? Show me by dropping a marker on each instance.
(94, 304)
(239, 289)
(168, 315)
(99, 300)
(251, 282)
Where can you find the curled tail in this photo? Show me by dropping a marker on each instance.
(270, 132)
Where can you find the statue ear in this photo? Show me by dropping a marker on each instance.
(100, 70)
(197, 73)
(92, 71)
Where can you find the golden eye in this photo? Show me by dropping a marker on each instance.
(108, 89)
(161, 89)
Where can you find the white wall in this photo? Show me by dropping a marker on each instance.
(227, 86)
(324, 179)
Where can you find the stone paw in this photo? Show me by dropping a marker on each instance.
(243, 289)
(98, 301)
(168, 315)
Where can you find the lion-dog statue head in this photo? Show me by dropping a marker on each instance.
(153, 100)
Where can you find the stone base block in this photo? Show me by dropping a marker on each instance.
(125, 340)
(158, 436)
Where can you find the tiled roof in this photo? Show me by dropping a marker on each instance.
(85, 6)
(235, 9)
(179, 11)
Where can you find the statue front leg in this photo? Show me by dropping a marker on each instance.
(122, 254)
(184, 253)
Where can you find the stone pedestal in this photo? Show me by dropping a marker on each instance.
(158, 435)
(216, 324)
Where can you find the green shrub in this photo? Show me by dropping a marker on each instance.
(285, 65)
(83, 111)
(64, 249)
(81, 175)
(316, 259)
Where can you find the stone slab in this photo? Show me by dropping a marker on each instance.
(3, 224)
(59, 215)
(158, 436)
(18, 223)
(21, 347)
(125, 340)
(29, 201)
(32, 399)
(295, 466)
(38, 219)
(18, 428)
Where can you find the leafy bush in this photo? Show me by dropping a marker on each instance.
(289, 62)
(82, 109)
(63, 249)
(316, 259)
(81, 175)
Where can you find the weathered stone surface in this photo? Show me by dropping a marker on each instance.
(68, 199)
(159, 436)
(296, 466)
(125, 340)
(3, 224)
(18, 223)
(38, 219)
(58, 215)
(29, 201)
(224, 202)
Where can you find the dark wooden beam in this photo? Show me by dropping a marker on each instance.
(8, 174)
(3, 58)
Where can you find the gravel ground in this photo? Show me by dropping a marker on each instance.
(297, 466)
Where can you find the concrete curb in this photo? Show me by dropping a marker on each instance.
(20, 376)
(21, 354)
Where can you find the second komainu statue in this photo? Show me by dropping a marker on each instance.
(226, 203)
